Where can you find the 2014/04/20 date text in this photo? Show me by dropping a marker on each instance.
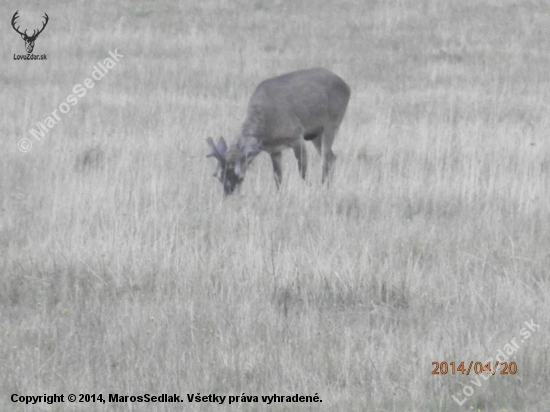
(442, 368)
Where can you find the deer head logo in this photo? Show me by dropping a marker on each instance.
(29, 40)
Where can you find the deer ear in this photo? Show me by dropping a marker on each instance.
(222, 146)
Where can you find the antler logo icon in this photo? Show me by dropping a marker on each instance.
(29, 40)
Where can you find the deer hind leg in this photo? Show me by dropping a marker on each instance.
(323, 144)
(277, 170)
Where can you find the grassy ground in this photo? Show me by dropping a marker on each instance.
(124, 271)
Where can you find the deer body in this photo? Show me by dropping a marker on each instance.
(285, 112)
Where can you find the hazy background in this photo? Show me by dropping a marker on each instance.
(124, 271)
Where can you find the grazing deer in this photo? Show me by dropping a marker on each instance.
(284, 112)
(29, 40)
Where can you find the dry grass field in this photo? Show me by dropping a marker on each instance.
(124, 271)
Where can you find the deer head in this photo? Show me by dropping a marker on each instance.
(232, 163)
(29, 40)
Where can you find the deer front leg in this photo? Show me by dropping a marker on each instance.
(301, 156)
(277, 171)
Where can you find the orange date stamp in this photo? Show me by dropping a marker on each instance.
(443, 368)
